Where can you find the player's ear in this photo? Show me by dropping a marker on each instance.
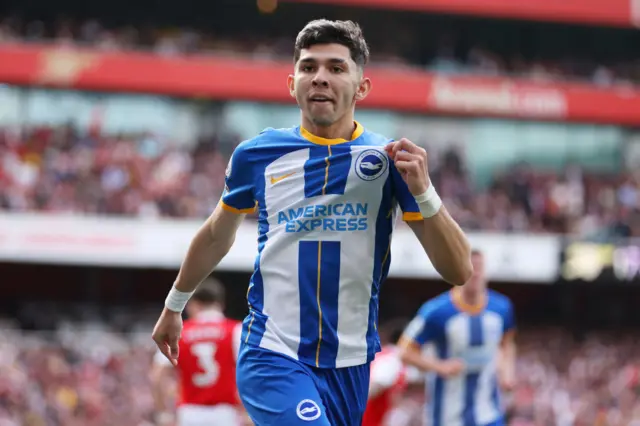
(291, 83)
(363, 89)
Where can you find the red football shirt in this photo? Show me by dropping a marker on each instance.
(207, 360)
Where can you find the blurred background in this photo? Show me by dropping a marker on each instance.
(117, 120)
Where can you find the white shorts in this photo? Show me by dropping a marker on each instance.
(202, 415)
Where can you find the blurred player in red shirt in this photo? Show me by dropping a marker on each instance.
(387, 379)
(206, 371)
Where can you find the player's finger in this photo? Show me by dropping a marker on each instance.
(405, 144)
(166, 350)
(158, 339)
(407, 166)
(397, 146)
(173, 348)
(407, 156)
(411, 147)
(390, 150)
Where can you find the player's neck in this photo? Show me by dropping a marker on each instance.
(472, 298)
(469, 301)
(342, 129)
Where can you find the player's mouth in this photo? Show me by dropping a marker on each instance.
(320, 99)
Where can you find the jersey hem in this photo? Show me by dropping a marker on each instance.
(342, 363)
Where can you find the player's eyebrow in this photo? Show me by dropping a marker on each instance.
(313, 60)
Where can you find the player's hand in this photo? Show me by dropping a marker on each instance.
(411, 162)
(450, 368)
(166, 334)
(507, 382)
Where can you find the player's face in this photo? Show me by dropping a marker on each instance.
(478, 279)
(327, 83)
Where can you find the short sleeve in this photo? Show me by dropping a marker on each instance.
(410, 209)
(238, 195)
(423, 328)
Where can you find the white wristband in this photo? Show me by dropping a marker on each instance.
(176, 300)
(429, 202)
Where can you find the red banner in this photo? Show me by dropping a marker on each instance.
(246, 79)
(603, 12)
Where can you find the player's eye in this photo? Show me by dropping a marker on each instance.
(337, 70)
(306, 68)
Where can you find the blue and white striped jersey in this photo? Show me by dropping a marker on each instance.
(472, 335)
(326, 209)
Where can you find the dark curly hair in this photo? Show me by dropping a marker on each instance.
(323, 31)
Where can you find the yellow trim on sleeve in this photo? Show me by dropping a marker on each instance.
(411, 216)
(228, 208)
(324, 141)
(408, 342)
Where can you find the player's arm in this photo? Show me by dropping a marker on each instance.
(411, 354)
(508, 350)
(446, 245)
(209, 246)
(441, 237)
(215, 237)
(507, 361)
(421, 330)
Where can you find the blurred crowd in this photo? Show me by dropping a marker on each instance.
(593, 382)
(80, 375)
(451, 52)
(62, 170)
(525, 199)
(74, 379)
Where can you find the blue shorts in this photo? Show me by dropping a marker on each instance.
(278, 390)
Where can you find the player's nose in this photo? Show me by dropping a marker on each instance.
(320, 79)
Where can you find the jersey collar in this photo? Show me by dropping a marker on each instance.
(323, 141)
(461, 305)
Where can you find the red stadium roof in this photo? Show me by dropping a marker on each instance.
(247, 79)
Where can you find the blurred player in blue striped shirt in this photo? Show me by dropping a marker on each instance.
(472, 330)
(326, 193)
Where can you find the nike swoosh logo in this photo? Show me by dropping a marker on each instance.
(275, 180)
